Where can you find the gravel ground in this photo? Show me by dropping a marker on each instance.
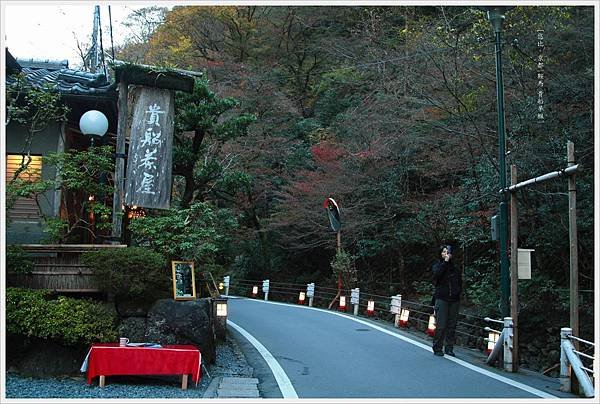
(229, 362)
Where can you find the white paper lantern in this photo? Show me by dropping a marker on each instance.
(93, 123)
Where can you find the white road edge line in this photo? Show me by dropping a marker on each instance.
(474, 368)
(283, 381)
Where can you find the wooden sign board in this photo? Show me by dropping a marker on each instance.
(149, 161)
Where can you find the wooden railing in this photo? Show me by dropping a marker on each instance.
(58, 267)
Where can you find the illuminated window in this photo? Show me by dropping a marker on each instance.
(24, 209)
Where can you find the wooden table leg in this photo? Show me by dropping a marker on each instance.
(184, 382)
(102, 381)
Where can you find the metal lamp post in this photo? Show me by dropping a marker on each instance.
(94, 124)
(496, 16)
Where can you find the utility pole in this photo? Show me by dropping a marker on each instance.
(496, 16)
(570, 170)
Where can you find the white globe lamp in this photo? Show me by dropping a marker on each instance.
(93, 123)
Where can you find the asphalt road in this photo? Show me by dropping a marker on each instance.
(325, 355)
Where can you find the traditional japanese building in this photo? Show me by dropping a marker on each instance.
(79, 91)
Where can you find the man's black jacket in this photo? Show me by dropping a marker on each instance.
(447, 281)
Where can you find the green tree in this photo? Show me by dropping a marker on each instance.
(33, 108)
(203, 123)
(200, 233)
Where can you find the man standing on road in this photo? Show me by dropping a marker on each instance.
(448, 286)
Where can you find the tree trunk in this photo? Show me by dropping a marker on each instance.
(188, 171)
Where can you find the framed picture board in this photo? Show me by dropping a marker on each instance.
(184, 283)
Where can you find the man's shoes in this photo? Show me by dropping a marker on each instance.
(450, 352)
(438, 353)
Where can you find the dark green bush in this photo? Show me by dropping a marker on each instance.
(37, 313)
(133, 273)
(17, 260)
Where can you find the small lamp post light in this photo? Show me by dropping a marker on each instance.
(342, 303)
(404, 318)
(222, 309)
(370, 307)
(221, 285)
(301, 298)
(431, 326)
(220, 317)
(93, 123)
(254, 291)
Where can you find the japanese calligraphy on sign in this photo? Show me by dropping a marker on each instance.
(540, 76)
(148, 182)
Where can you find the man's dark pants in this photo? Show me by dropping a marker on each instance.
(446, 316)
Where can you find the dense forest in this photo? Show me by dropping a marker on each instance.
(392, 112)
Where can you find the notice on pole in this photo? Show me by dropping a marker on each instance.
(148, 182)
(524, 263)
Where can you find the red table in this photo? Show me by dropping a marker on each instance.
(110, 359)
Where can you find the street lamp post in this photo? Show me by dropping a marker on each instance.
(94, 124)
(496, 16)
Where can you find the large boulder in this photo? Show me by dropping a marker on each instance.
(133, 328)
(182, 322)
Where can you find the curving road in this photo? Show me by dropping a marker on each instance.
(315, 353)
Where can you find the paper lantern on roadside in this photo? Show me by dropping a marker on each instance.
(222, 309)
(301, 298)
(370, 307)
(491, 342)
(342, 303)
(403, 321)
(431, 326)
(254, 291)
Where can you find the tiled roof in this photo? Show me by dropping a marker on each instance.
(43, 63)
(67, 81)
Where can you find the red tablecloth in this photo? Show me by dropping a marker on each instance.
(111, 359)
